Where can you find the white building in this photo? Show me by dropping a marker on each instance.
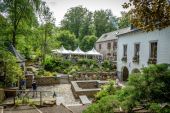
(137, 49)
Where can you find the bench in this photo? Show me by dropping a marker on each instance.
(84, 100)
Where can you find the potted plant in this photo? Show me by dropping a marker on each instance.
(124, 59)
(136, 59)
(152, 61)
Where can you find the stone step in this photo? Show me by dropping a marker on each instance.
(84, 99)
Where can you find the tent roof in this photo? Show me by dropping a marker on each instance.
(62, 50)
(93, 52)
(78, 51)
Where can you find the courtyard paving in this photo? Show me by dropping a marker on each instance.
(61, 90)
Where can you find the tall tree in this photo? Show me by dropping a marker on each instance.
(47, 21)
(104, 22)
(77, 20)
(18, 11)
(67, 39)
(87, 42)
(124, 20)
(149, 14)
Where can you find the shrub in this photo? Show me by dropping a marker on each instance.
(108, 89)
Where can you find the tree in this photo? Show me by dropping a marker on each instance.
(47, 21)
(149, 15)
(88, 42)
(12, 70)
(104, 22)
(67, 39)
(124, 20)
(77, 20)
(19, 11)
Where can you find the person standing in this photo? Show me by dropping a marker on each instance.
(34, 88)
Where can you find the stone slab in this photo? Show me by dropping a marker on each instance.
(84, 99)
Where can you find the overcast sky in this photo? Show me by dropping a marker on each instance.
(60, 7)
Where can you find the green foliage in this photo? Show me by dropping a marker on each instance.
(22, 11)
(67, 39)
(124, 20)
(149, 14)
(105, 105)
(104, 22)
(88, 42)
(11, 68)
(145, 88)
(107, 65)
(77, 20)
(149, 89)
(61, 65)
(106, 90)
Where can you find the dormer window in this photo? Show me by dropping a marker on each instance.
(105, 36)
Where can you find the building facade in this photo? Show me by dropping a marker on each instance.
(107, 45)
(137, 49)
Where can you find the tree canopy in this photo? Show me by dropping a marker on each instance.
(149, 14)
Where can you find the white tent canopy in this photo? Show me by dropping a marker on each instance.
(78, 51)
(62, 50)
(93, 52)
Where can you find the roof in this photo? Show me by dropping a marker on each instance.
(115, 34)
(78, 51)
(93, 52)
(12, 49)
(127, 30)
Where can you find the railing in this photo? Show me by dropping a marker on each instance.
(24, 96)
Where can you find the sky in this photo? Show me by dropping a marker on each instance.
(60, 7)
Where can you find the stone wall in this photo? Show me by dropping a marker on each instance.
(2, 95)
(94, 76)
(42, 81)
(45, 81)
(88, 87)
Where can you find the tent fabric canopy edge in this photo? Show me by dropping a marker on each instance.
(77, 51)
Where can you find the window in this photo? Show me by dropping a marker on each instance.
(136, 53)
(124, 58)
(125, 50)
(153, 50)
(100, 46)
(108, 45)
(114, 44)
(136, 49)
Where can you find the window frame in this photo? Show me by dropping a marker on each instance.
(135, 52)
(150, 49)
(124, 50)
